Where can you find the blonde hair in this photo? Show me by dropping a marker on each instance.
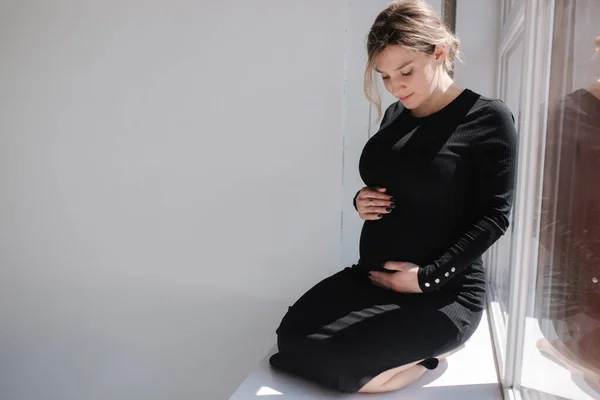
(414, 25)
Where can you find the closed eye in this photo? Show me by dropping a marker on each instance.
(409, 73)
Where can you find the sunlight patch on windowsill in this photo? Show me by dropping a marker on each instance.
(267, 391)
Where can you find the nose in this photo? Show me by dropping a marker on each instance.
(398, 89)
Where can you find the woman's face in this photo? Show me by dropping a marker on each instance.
(409, 76)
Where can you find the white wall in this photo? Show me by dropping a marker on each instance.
(477, 27)
(170, 181)
(586, 63)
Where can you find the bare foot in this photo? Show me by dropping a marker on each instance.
(444, 356)
(557, 350)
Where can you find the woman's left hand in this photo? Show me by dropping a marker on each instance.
(403, 280)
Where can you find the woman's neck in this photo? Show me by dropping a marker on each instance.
(445, 92)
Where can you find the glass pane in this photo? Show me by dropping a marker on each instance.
(514, 60)
(501, 253)
(562, 348)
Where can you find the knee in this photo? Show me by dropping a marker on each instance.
(285, 331)
(284, 324)
(283, 342)
(275, 360)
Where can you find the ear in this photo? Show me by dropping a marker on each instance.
(440, 52)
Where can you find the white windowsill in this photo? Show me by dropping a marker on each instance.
(470, 373)
(546, 375)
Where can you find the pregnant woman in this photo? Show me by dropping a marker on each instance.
(439, 183)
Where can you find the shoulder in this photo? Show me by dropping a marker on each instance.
(490, 110)
(491, 120)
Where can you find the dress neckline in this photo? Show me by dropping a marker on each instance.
(443, 110)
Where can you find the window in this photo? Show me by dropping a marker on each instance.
(545, 275)
(562, 339)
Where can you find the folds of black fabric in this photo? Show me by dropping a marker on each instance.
(451, 174)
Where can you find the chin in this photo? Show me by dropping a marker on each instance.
(410, 104)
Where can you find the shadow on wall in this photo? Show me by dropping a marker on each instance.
(147, 339)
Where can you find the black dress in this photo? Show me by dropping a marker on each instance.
(452, 175)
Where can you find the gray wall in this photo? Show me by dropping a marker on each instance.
(586, 62)
(477, 27)
(170, 181)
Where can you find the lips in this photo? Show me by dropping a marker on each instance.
(406, 97)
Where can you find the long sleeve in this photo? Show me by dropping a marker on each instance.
(494, 158)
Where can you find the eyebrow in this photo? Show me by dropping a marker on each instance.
(400, 67)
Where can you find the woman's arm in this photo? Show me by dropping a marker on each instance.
(494, 154)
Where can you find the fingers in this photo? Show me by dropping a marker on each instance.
(394, 266)
(369, 193)
(370, 216)
(404, 266)
(371, 205)
(380, 285)
(401, 265)
(368, 202)
(373, 212)
(381, 279)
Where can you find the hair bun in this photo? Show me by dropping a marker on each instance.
(453, 48)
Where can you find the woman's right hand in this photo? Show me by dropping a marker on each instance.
(373, 203)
